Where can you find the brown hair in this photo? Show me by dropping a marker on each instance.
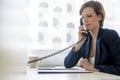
(98, 8)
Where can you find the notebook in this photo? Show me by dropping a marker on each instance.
(62, 69)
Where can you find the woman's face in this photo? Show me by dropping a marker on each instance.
(90, 19)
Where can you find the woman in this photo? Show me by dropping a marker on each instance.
(101, 48)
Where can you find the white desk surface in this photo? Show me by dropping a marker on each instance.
(32, 74)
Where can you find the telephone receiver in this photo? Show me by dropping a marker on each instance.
(81, 23)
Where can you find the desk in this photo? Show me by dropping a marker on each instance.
(33, 75)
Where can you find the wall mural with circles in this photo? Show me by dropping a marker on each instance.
(55, 23)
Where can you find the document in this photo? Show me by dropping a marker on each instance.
(62, 69)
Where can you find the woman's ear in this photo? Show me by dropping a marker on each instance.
(99, 17)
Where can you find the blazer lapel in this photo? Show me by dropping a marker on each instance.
(87, 48)
(97, 55)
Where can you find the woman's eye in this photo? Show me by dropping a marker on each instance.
(89, 16)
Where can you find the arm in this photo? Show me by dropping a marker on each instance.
(72, 58)
(112, 69)
(77, 51)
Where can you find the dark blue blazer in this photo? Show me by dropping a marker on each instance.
(107, 58)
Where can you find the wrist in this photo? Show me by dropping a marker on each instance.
(93, 69)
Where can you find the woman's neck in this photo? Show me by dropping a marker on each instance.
(95, 32)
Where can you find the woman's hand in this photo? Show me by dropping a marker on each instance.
(81, 32)
(81, 36)
(84, 63)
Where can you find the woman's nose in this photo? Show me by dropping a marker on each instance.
(85, 20)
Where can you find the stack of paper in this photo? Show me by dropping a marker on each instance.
(61, 69)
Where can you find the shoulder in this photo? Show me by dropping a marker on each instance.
(109, 33)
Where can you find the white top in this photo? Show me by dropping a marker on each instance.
(92, 60)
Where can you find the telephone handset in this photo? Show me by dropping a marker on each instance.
(81, 23)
